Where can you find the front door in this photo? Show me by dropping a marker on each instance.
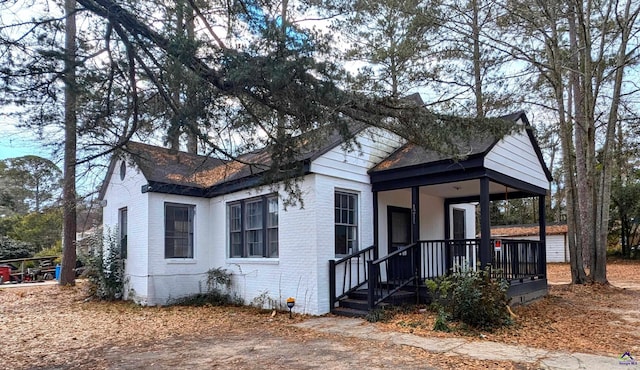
(463, 253)
(399, 221)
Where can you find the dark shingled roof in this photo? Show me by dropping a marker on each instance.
(179, 172)
(165, 166)
(411, 154)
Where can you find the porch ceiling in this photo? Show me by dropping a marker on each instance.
(465, 189)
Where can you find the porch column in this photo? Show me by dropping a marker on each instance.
(485, 224)
(375, 221)
(447, 219)
(415, 214)
(415, 230)
(542, 209)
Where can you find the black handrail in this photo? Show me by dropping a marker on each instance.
(348, 272)
(519, 260)
(379, 291)
(514, 260)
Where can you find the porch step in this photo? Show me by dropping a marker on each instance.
(349, 312)
(356, 304)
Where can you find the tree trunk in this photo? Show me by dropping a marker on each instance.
(599, 266)
(578, 274)
(67, 274)
(477, 65)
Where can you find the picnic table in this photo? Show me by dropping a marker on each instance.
(41, 268)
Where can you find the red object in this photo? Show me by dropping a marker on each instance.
(5, 273)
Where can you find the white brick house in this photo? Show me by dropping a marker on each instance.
(183, 215)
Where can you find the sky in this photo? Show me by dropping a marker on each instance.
(16, 142)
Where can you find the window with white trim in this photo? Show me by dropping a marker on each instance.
(253, 227)
(346, 223)
(178, 230)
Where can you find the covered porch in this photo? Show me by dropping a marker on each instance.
(431, 217)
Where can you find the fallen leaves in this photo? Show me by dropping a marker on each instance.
(52, 326)
(596, 318)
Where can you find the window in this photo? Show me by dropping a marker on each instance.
(253, 227)
(123, 170)
(178, 230)
(346, 220)
(122, 231)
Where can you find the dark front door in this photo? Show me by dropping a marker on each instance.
(399, 221)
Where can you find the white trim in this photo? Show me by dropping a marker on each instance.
(254, 261)
(358, 194)
(180, 261)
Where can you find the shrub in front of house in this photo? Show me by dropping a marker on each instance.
(218, 292)
(104, 266)
(473, 298)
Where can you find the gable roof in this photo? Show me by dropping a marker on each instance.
(412, 155)
(177, 172)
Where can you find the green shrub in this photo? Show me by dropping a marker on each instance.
(104, 266)
(218, 292)
(54, 250)
(379, 314)
(12, 249)
(473, 298)
(442, 322)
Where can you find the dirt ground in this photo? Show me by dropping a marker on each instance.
(54, 327)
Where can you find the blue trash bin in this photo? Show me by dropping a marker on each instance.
(57, 272)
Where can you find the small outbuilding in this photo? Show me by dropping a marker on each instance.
(557, 244)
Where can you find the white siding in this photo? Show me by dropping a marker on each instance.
(272, 280)
(127, 193)
(306, 241)
(306, 244)
(375, 146)
(177, 277)
(515, 156)
(557, 247)
(432, 217)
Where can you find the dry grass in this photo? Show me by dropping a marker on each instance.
(599, 319)
(56, 326)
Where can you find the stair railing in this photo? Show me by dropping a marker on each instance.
(391, 273)
(349, 273)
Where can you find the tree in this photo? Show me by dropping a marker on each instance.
(67, 272)
(626, 203)
(471, 69)
(390, 38)
(39, 229)
(581, 53)
(258, 85)
(33, 181)
(12, 249)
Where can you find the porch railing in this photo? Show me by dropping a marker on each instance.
(513, 260)
(391, 273)
(518, 260)
(349, 273)
(441, 257)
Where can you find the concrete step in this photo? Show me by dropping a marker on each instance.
(349, 312)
